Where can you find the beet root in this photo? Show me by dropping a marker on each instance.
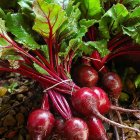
(104, 102)
(85, 76)
(112, 83)
(86, 102)
(96, 129)
(76, 129)
(40, 124)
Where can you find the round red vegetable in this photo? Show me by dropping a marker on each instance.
(104, 102)
(86, 102)
(112, 83)
(96, 129)
(40, 124)
(76, 129)
(85, 76)
(59, 125)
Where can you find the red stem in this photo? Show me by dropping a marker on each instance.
(123, 53)
(56, 105)
(45, 102)
(119, 42)
(43, 59)
(114, 39)
(32, 58)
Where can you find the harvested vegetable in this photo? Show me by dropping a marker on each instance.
(58, 33)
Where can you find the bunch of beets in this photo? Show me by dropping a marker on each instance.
(75, 107)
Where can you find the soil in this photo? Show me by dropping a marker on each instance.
(20, 95)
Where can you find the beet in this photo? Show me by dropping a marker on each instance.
(59, 125)
(112, 83)
(85, 76)
(40, 124)
(96, 129)
(86, 102)
(76, 129)
(104, 102)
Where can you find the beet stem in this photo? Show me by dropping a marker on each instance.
(60, 102)
(115, 128)
(113, 107)
(63, 81)
(56, 105)
(119, 117)
(45, 102)
(120, 121)
(114, 123)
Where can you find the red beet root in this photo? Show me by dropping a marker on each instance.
(40, 124)
(96, 129)
(85, 76)
(76, 129)
(86, 102)
(112, 83)
(104, 103)
(59, 125)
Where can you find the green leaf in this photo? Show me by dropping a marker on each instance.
(40, 69)
(131, 3)
(135, 13)
(133, 32)
(101, 46)
(83, 26)
(8, 53)
(137, 81)
(17, 26)
(3, 30)
(112, 20)
(3, 43)
(132, 25)
(2, 14)
(2, 26)
(69, 28)
(74, 27)
(26, 7)
(44, 49)
(62, 3)
(91, 8)
(49, 17)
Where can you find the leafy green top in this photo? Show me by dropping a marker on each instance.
(63, 25)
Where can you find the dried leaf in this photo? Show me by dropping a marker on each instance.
(3, 91)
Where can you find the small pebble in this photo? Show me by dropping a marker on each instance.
(15, 103)
(23, 109)
(9, 120)
(136, 125)
(12, 112)
(5, 99)
(20, 97)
